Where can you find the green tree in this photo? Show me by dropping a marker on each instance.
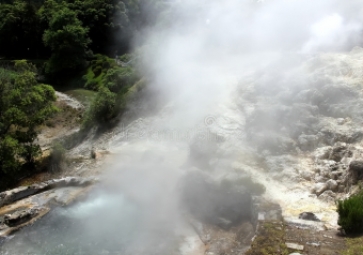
(20, 31)
(107, 22)
(24, 105)
(351, 213)
(68, 41)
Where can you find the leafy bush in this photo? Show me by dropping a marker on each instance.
(102, 109)
(351, 214)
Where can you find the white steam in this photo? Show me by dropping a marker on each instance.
(193, 56)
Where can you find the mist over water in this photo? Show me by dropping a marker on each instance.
(200, 60)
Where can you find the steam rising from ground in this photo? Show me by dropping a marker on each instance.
(203, 44)
(195, 59)
(199, 55)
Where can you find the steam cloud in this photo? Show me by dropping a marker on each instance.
(194, 60)
(205, 44)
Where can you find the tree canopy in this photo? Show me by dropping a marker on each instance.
(24, 105)
(105, 26)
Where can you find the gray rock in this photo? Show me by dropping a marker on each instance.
(20, 217)
(323, 153)
(13, 195)
(306, 175)
(319, 188)
(328, 196)
(340, 151)
(295, 246)
(320, 179)
(210, 203)
(332, 185)
(356, 170)
(325, 171)
(355, 137)
(308, 216)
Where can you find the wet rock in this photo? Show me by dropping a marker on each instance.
(337, 175)
(245, 233)
(324, 171)
(322, 153)
(308, 216)
(20, 217)
(330, 135)
(356, 170)
(355, 137)
(319, 188)
(210, 203)
(328, 196)
(341, 188)
(306, 175)
(320, 179)
(295, 246)
(13, 195)
(332, 185)
(339, 151)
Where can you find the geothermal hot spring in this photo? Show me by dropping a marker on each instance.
(234, 88)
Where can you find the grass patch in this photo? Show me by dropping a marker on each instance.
(270, 240)
(82, 95)
(354, 246)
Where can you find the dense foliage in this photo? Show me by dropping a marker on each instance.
(67, 40)
(34, 28)
(24, 105)
(112, 81)
(351, 214)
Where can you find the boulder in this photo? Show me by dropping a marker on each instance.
(355, 137)
(319, 188)
(324, 171)
(16, 194)
(308, 216)
(328, 196)
(356, 170)
(339, 151)
(322, 153)
(306, 175)
(211, 203)
(320, 179)
(20, 217)
(332, 185)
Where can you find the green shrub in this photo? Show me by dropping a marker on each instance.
(102, 109)
(351, 214)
